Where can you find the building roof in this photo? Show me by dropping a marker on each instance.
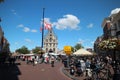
(106, 20)
(110, 18)
(49, 33)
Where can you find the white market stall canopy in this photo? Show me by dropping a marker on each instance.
(54, 54)
(82, 52)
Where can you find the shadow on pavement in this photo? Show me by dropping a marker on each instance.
(9, 71)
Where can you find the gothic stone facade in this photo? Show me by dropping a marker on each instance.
(50, 42)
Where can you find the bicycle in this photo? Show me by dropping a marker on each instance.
(95, 74)
(105, 74)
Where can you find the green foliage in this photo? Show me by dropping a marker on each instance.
(78, 46)
(36, 50)
(72, 48)
(23, 50)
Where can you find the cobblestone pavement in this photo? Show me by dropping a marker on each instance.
(22, 71)
(41, 72)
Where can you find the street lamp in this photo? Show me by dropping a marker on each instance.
(68, 50)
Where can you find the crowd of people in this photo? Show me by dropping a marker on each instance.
(38, 59)
(99, 67)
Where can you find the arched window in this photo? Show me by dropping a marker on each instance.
(54, 40)
(50, 50)
(46, 49)
(54, 45)
(50, 39)
(50, 44)
(46, 40)
(54, 49)
(50, 34)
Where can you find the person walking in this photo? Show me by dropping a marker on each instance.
(33, 60)
(52, 61)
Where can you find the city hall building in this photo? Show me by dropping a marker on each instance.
(50, 42)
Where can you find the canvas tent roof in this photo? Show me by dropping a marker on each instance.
(53, 54)
(82, 52)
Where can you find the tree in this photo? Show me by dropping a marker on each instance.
(36, 50)
(23, 50)
(72, 48)
(78, 46)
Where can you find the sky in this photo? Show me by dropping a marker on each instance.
(73, 21)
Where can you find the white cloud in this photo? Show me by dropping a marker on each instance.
(33, 30)
(67, 22)
(115, 11)
(90, 25)
(20, 25)
(47, 20)
(28, 40)
(26, 29)
(14, 12)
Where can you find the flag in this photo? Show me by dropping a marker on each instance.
(47, 26)
(41, 29)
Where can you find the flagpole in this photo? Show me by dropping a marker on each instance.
(43, 28)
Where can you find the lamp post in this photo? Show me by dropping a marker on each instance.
(68, 50)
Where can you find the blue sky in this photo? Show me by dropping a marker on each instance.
(73, 21)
